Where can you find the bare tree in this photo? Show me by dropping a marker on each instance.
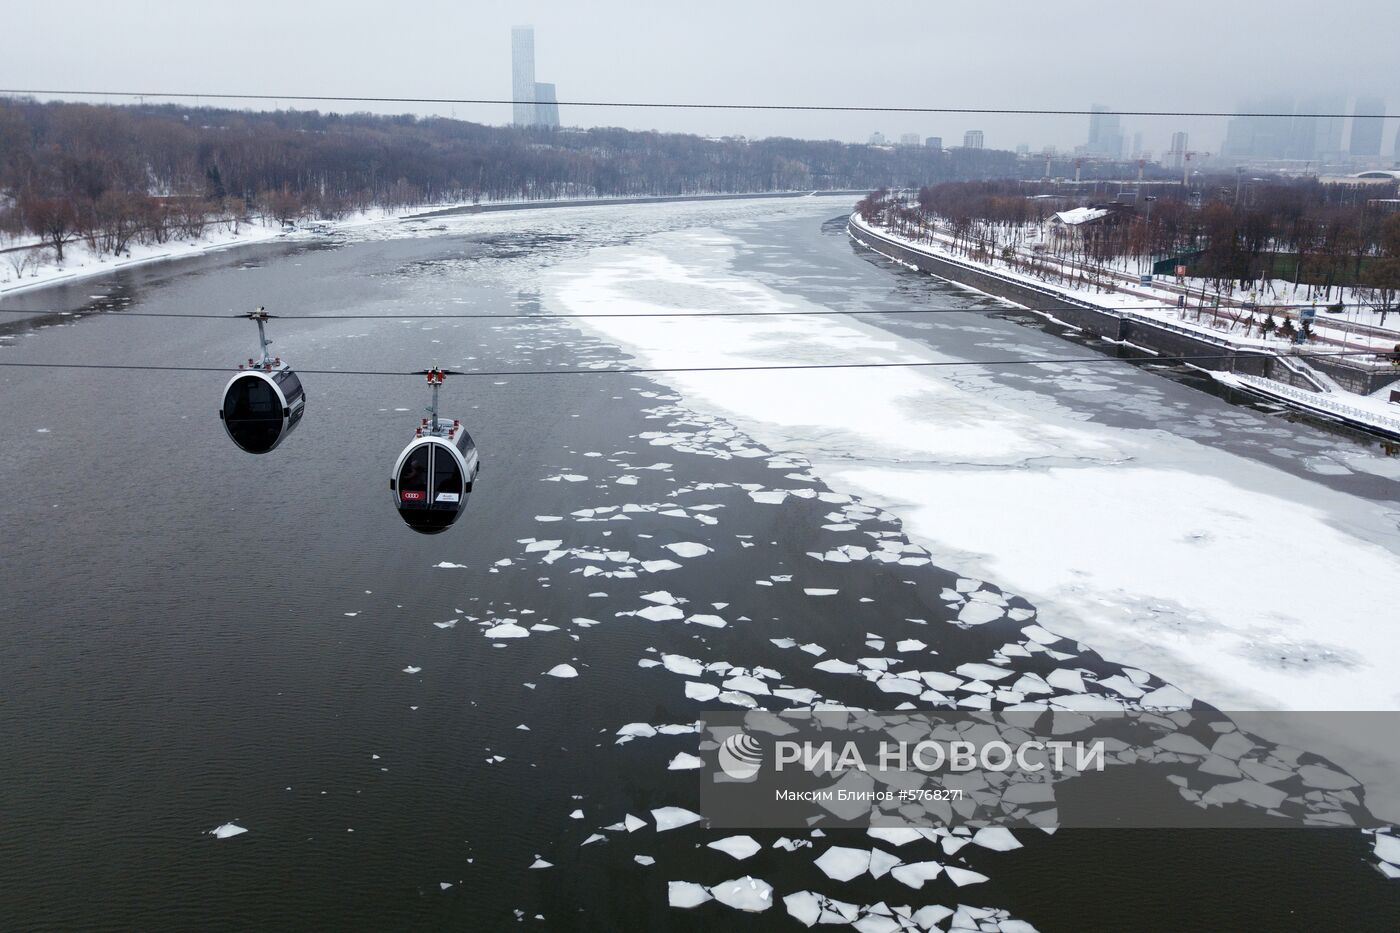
(55, 220)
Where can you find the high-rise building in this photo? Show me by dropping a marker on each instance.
(522, 74)
(909, 139)
(1303, 131)
(535, 103)
(1319, 137)
(1252, 136)
(877, 138)
(1137, 145)
(972, 139)
(546, 106)
(1105, 133)
(934, 142)
(1366, 127)
(1176, 156)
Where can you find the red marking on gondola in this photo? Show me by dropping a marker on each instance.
(410, 496)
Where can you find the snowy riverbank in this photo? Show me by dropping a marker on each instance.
(80, 261)
(1372, 412)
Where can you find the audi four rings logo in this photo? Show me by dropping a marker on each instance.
(740, 756)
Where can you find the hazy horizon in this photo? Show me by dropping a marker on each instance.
(1196, 57)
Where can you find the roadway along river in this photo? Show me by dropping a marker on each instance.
(194, 637)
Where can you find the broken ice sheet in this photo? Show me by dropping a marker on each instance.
(744, 893)
(916, 873)
(686, 894)
(688, 549)
(660, 613)
(673, 818)
(227, 831)
(680, 664)
(695, 690)
(841, 863)
(739, 847)
(964, 876)
(562, 670)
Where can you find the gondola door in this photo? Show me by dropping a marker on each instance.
(446, 479)
(413, 479)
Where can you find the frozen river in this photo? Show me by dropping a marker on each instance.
(404, 726)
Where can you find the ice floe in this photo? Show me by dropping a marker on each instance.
(744, 893)
(842, 863)
(740, 847)
(668, 818)
(686, 894)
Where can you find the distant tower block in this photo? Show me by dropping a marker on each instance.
(1176, 156)
(972, 139)
(1366, 127)
(522, 73)
(546, 106)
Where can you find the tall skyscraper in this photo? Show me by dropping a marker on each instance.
(535, 103)
(1105, 133)
(546, 106)
(1176, 156)
(1267, 137)
(1366, 133)
(972, 139)
(934, 142)
(1318, 137)
(522, 74)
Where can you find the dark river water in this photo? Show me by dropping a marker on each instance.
(190, 636)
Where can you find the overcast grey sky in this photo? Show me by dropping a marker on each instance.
(1187, 55)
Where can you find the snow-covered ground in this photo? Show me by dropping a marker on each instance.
(1204, 567)
(1374, 410)
(1124, 272)
(79, 261)
(1159, 303)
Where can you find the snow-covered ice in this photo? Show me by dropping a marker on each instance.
(740, 847)
(673, 818)
(842, 863)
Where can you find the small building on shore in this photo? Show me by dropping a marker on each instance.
(1078, 217)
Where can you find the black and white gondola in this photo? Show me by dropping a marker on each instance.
(264, 401)
(434, 475)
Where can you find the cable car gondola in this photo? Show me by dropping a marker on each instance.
(263, 402)
(435, 473)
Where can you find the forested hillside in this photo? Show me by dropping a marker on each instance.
(116, 175)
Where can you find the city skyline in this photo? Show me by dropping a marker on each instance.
(649, 62)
